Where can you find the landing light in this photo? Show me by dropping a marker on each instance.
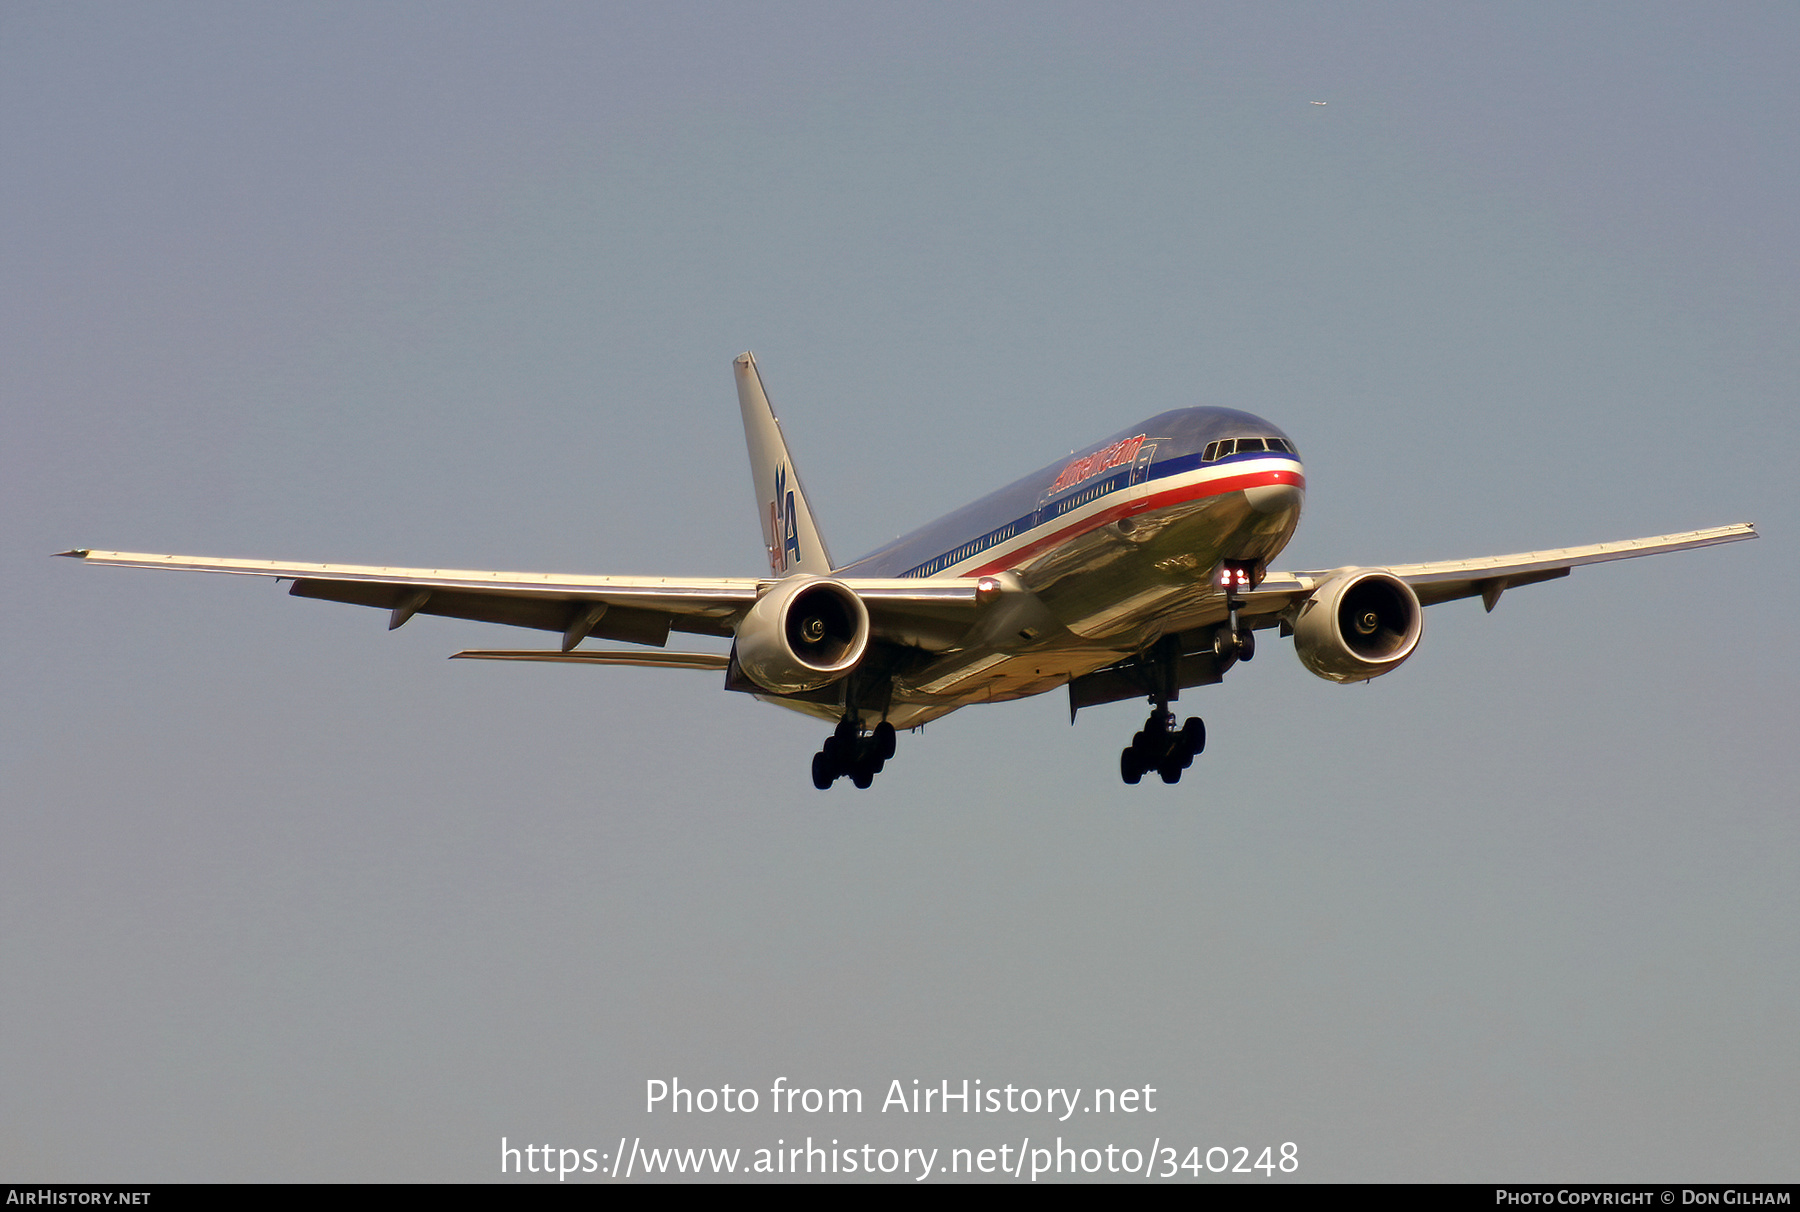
(1239, 574)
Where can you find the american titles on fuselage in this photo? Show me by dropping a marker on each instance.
(1118, 454)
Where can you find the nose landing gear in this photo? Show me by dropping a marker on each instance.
(1162, 747)
(1231, 641)
(848, 752)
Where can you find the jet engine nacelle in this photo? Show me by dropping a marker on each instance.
(804, 633)
(1358, 625)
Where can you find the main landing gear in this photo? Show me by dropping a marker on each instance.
(848, 751)
(1162, 747)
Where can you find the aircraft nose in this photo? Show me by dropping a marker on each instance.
(1276, 497)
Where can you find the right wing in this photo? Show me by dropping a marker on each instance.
(637, 610)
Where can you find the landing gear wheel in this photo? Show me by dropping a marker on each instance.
(1193, 736)
(1171, 769)
(1246, 644)
(1130, 768)
(849, 753)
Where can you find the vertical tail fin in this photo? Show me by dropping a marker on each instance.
(789, 532)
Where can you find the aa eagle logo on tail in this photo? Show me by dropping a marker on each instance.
(784, 528)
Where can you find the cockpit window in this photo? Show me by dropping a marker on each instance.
(1226, 447)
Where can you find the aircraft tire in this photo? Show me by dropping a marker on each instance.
(1193, 736)
(822, 772)
(1130, 769)
(884, 740)
(1171, 770)
(1246, 644)
(862, 776)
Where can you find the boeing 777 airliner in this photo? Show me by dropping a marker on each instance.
(1135, 569)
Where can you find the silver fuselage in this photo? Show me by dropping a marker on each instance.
(1099, 555)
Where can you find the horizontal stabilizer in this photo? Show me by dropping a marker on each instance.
(660, 660)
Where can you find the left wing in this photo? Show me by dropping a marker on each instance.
(638, 610)
(1276, 600)
(1490, 576)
